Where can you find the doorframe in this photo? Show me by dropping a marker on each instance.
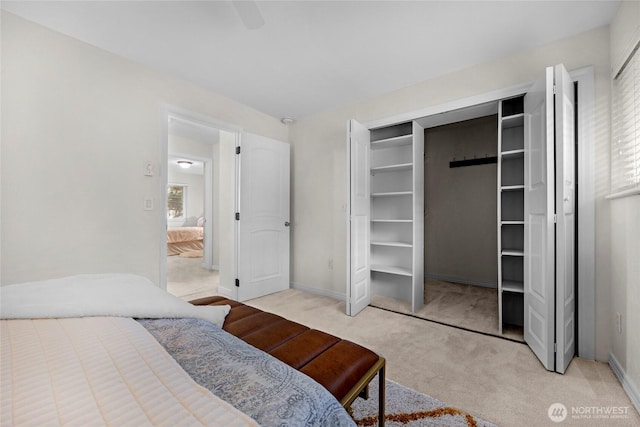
(585, 257)
(168, 111)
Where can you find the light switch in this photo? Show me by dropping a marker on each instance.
(148, 203)
(148, 168)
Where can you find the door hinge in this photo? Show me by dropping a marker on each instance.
(554, 89)
(237, 216)
(555, 218)
(555, 347)
(238, 148)
(237, 283)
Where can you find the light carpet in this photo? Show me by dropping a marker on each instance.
(192, 254)
(473, 308)
(406, 407)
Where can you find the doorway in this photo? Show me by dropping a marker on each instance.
(192, 188)
(460, 213)
(245, 210)
(199, 186)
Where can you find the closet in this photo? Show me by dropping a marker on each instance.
(535, 213)
(397, 212)
(511, 212)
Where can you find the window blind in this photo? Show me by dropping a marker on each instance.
(625, 154)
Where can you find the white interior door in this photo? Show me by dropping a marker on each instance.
(208, 216)
(549, 211)
(539, 252)
(263, 225)
(358, 224)
(565, 226)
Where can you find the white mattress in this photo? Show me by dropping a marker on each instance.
(99, 371)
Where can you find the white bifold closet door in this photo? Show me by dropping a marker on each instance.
(549, 198)
(359, 215)
(263, 225)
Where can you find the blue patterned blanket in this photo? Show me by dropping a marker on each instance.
(261, 386)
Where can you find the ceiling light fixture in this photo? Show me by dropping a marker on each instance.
(287, 120)
(184, 164)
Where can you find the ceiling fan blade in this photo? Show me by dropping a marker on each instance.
(249, 13)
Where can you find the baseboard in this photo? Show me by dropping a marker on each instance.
(626, 382)
(462, 281)
(324, 292)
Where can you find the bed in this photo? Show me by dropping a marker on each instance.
(184, 239)
(117, 350)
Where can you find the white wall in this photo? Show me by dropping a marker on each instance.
(319, 159)
(77, 125)
(625, 230)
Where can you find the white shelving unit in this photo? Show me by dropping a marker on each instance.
(510, 212)
(397, 206)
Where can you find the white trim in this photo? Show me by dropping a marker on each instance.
(471, 101)
(347, 295)
(586, 235)
(626, 382)
(622, 61)
(625, 193)
(341, 296)
(209, 209)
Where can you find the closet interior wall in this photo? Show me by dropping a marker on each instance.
(461, 202)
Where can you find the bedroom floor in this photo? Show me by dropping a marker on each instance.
(465, 306)
(495, 379)
(188, 280)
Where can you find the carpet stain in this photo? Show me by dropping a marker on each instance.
(406, 418)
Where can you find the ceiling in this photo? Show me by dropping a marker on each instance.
(196, 168)
(311, 56)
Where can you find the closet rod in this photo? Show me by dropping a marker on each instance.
(473, 162)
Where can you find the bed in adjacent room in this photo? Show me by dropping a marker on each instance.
(184, 239)
(115, 349)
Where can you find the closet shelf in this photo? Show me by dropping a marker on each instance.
(396, 141)
(512, 222)
(513, 252)
(409, 221)
(512, 154)
(392, 193)
(394, 244)
(512, 286)
(511, 187)
(400, 271)
(513, 121)
(393, 168)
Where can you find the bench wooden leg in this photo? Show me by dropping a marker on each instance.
(361, 388)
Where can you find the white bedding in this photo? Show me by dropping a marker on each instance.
(99, 371)
(120, 295)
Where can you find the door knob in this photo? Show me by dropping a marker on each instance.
(287, 224)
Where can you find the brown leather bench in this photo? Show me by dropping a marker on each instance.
(344, 368)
